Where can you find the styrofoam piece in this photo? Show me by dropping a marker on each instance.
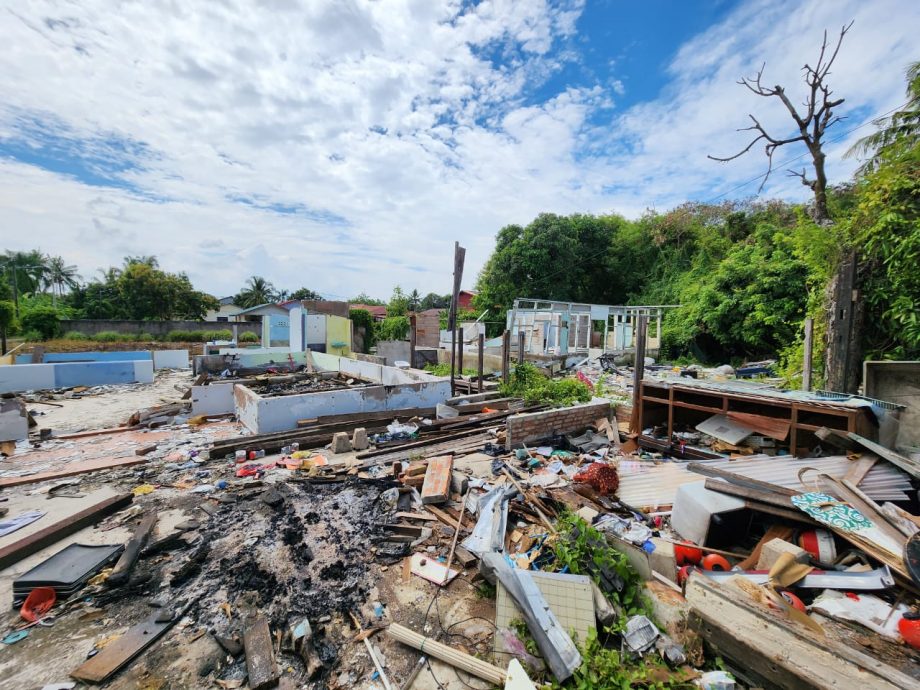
(170, 359)
(694, 506)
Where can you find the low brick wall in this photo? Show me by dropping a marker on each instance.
(534, 426)
(155, 328)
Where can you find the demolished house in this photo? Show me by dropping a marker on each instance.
(288, 517)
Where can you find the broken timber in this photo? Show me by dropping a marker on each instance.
(73, 469)
(780, 653)
(260, 659)
(129, 556)
(15, 552)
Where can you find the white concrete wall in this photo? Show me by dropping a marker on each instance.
(26, 377)
(143, 371)
(170, 359)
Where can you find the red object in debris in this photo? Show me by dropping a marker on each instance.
(602, 477)
(909, 627)
(249, 470)
(488, 410)
(819, 543)
(585, 380)
(794, 601)
(38, 603)
(684, 573)
(685, 555)
(715, 562)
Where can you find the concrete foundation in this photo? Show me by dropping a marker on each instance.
(162, 359)
(396, 389)
(27, 377)
(14, 422)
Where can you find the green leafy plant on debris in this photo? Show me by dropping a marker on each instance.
(526, 381)
(604, 668)
(583, 550)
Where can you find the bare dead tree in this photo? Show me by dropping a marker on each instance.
(812, 123)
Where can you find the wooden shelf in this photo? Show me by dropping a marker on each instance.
(701, 408)
(663, 401)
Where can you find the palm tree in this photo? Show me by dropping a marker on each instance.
(25, 271)
(898, 131)
(256, 291)
(60, 276)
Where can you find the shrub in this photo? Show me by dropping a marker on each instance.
(31, 336)
(529, 383)
(391, 328)
(44, 321)
(217, 335)
(144, 337)
(249, 337)
(75, 335)
(110, 337)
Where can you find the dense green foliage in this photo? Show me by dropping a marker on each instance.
(391, 328)
(526, 381)
(304, 293)
(42, 320)
(362, 318)
(140, 290)
(249, 337)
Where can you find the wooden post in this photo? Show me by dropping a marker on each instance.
(459, 350)
(506, 355)
(459, 256)
(482, 349)
(412, 341)
(520, 347)
(638, 371)
(809, 345)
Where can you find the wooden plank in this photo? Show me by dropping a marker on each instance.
(778, 500)
(860, 468)
(260, 658)
(385, 415)
(129, 556)
(73, 469)
(436, 488)
(15, 552)
(837, 439)
(95, 432)
(766, 426)
(638, 371)
(417, 444)
(118, 654)
(910, 466)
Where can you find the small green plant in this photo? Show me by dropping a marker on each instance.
(584, 550)
(528, 382)
(443, 369)
(485, 590)
(523, 632)
(603, 668)
(249, 337)
(144, 337)
(112, 337)
(75, 335)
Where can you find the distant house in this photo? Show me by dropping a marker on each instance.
(379, 313)
(256, 313)
(224, 312)
(465, 300)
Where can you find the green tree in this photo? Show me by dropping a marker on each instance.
(364, 298)
(434, 301)
(60, 276)
(415, 301)
(898, 132)
(24, 271)
(44, 321)
(399, 304)
(7, 322)
(304, 293)
(257, 291)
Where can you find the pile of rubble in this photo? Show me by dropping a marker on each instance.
(492, 544)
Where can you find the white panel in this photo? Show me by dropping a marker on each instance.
(143, 371)
(170, 359)
(26, 377)
(214, 399)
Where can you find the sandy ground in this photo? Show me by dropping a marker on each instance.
(113, 407)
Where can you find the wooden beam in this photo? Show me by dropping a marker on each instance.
(809, 348)
(739, 479)
(260, 658)
(481, 351)
(74, 469)
(638, 371)
(912, 467)
(125, 564)
(15, 552)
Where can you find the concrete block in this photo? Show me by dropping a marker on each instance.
(170, 359)
(340, 442)
(359, 439)
(774, 548)
(14, 422)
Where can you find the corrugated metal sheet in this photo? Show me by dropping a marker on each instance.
(647, 485)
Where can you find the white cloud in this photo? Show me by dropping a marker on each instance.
(390, 114)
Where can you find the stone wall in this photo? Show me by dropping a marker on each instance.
(534, 426)
(155, 328)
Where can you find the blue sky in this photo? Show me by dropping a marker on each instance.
(344, 145)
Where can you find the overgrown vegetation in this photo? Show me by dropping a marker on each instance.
(528, 382)
(443, 369)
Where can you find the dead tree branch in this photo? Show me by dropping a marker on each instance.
(811, 124)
